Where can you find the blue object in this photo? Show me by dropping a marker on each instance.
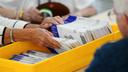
(55, 30)
(17, 57)
(53, 51)
(68, 20)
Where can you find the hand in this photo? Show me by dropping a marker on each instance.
(122, 21)
(47, 22)
(38, 36)
(44, 38)
(32, 15)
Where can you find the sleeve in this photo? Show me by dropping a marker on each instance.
(2, 31)
(111, 57)
(102, 59)
(102, 5)
(10, 23)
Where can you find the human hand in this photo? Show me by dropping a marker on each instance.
(47, 22)
(38, 36)
(32, 15)
(122, 21)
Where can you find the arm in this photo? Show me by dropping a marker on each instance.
(31, 14)
(89, 11)
(33, 34)
(10, 13)
(40, 37)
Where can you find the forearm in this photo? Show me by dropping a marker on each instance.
(17, 35)
(9, 13)
(89, 11)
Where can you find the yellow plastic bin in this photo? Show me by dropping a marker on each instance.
(65, 62)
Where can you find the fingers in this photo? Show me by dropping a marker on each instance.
(46, 26)
(50, 33)
(47, 23)
(47, 32)
(42, 37)
(50, 42)
(65, 17)
(52, 20)
(59, 20)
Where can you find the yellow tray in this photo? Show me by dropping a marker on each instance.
(65, 62)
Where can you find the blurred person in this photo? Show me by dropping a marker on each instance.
(112, 57)
(75, 7)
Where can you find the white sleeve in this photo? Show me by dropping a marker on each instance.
(10, 23)
(2, 31)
